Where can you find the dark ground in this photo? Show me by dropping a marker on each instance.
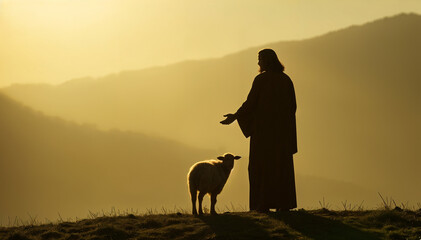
(316, 224)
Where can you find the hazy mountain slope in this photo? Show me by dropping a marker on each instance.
(48, 165)
(357, 92)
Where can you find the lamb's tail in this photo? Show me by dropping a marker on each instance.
(190, 179)
(192, 185)
(192, 189)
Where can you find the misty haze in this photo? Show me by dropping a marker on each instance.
(126, 140)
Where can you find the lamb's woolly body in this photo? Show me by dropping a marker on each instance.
(209, 177)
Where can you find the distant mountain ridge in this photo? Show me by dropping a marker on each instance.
(357, 93)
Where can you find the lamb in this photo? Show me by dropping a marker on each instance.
(209, 177)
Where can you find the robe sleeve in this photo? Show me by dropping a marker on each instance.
(245, 114)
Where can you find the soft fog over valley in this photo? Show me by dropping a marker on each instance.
(127, 139)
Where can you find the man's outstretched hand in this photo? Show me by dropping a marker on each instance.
(229, 119)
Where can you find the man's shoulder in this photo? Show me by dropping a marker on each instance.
(281, 75)
(261, 76)
(286, 76)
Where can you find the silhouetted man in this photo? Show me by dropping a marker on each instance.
(268, 116)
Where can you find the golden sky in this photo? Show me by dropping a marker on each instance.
(356, 135)
(54, 41)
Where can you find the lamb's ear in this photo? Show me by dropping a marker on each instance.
(221, 158)
(237, 157)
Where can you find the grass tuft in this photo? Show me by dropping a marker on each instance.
(51, 235)
(111, 232)
(18, 236)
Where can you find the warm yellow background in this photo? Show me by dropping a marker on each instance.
(357, 93)
(56, 40)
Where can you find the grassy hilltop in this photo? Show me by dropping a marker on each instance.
(301, 224)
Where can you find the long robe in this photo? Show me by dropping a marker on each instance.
(268, 116)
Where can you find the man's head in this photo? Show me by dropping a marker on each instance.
(268, 61)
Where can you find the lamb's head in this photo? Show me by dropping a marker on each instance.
(228, 160)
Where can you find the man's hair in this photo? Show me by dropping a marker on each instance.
(270, 61)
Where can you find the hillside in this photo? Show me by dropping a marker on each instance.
(357, 92)
(302, 224)
(49, 166)
(53, 168)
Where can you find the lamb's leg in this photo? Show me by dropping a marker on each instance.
(213, 202)
(193, 195)
(201, 195)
